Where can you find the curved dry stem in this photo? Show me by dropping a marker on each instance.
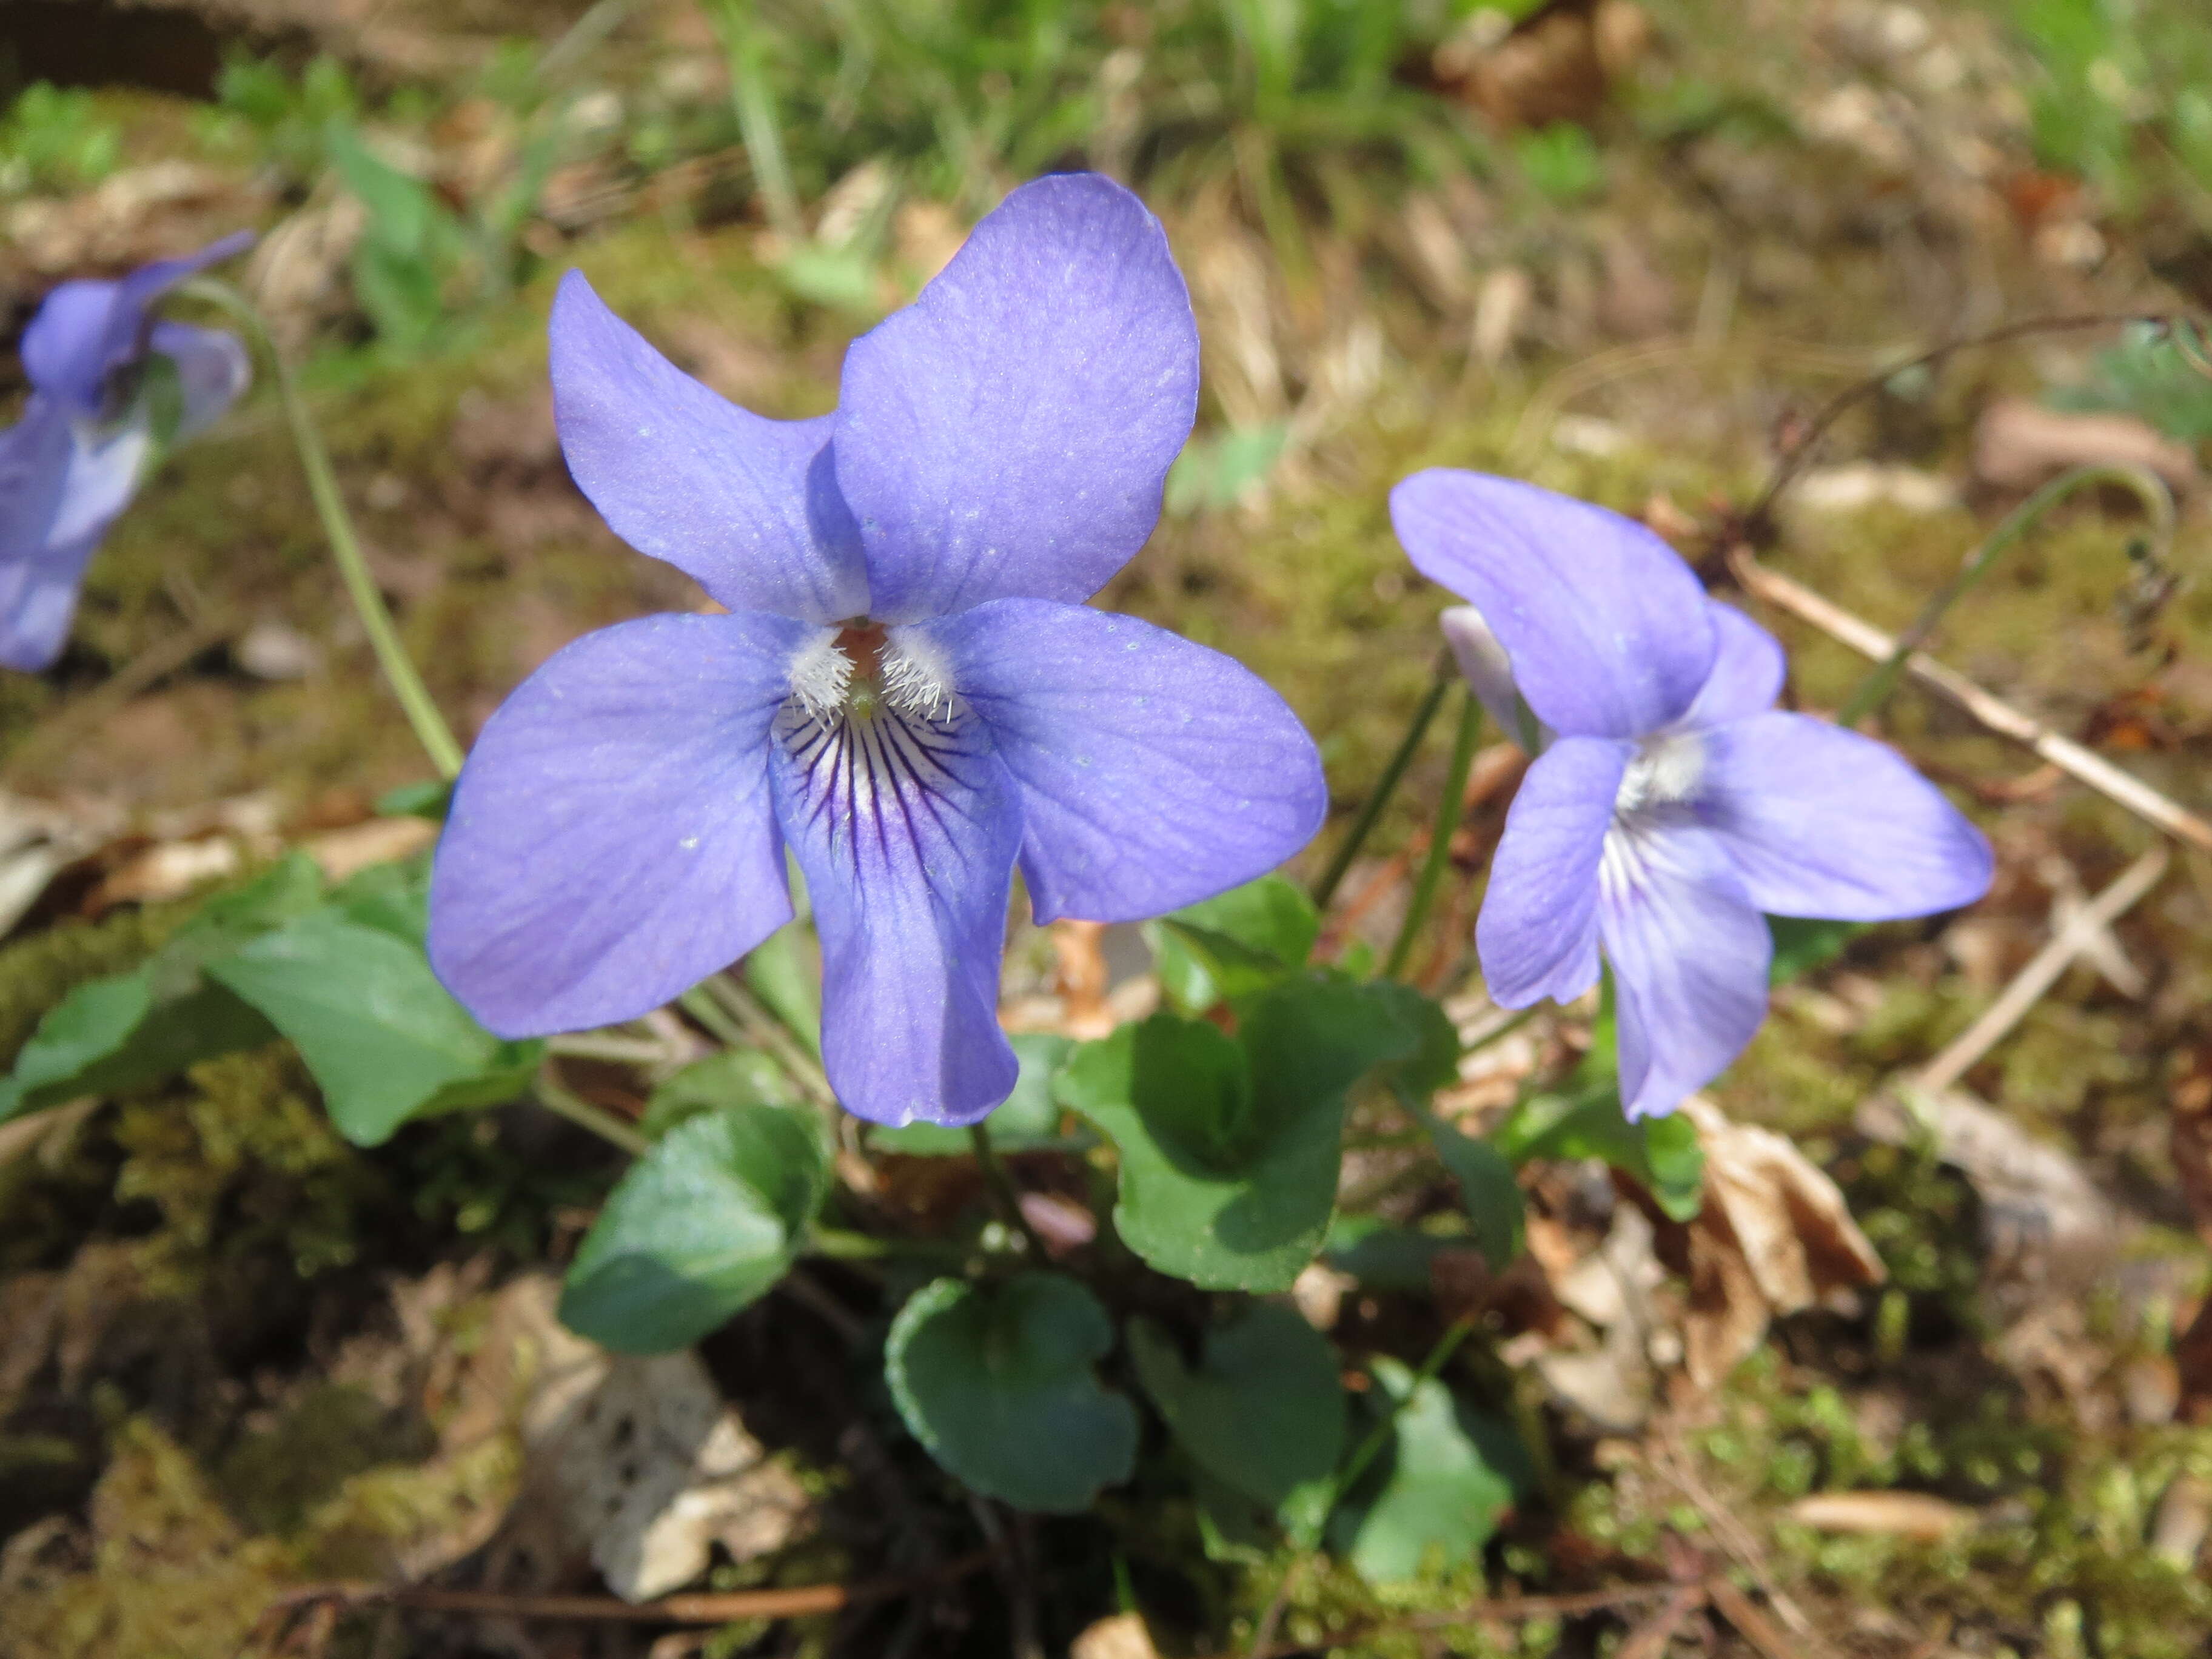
(2158, 501)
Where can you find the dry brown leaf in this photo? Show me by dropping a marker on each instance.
(2018, 444)
(2192, 1358)
(1774, 1237)
(168, 871)
(344, 853)
(1081, 965)
(1795, 1230)
(1555, 65)
(1898, 1514)
(2189, 1139)
(2042, 1217)
(640, 1462)
(1121, 1637)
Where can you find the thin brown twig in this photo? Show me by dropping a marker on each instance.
(2124, 788)
(1649, 1639)
(1755, 1626)
(1672, 1465)
(711, 1608)
(1263, 1636)
(2066, 942)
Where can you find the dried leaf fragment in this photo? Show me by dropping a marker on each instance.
(1774, 1237)
(1896, 1514)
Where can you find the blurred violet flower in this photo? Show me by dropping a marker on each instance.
(907, 691)
(1670, 803)
(111, 388)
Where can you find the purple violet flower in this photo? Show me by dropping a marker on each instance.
(102, 410)
(1670, 803)
(908, 692)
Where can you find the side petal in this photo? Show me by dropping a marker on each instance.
(1748, 670)
(612, 840)
(1819, 821)
(745, 506)
(84, 330)
(1690, 954)
(1007, 435)
(38, 591)
(1537, 933)
(1608, 631)
(60, 491)
(212, 369)
(906, 831)
(1154, 772)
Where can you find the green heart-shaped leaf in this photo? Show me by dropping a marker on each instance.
(385, 1041)
(134, 1028)
(1263, 1410)
(1486, 1189)
(1229, 1147)
(1028, 1120)
(998, 1385)
(700, 1227)
(1236, 943)
(1447, 1475)
(729, 1077)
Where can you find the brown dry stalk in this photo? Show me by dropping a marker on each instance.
(714, 1608)
(2027, 986)
(1650, 1637)
(1993, 712)
(1755, 1626)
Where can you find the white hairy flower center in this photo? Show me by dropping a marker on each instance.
(859, 670)
(1666, 772)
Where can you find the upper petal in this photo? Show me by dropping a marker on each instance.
(1819, 821)
(611, 840)
(1537, 933)
(84, 330)
(1690, 954)
(1154, 773)
(1007, 435)
(1748, 670)
(1608, 631)
(745, 506)
(906, 828)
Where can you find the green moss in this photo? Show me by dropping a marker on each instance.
(38, 971)
(170, 1575)
(245, 1166)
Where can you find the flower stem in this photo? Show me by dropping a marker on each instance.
(2158, 501)
(844, 1245)
(430, 728)
(1371, 813)
(585, 1115)
(766, 1032)
(1448, 815)
(1004, 1195)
